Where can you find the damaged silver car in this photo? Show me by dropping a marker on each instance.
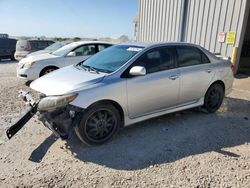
(125, 84)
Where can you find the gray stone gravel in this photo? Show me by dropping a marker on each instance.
(185, 149)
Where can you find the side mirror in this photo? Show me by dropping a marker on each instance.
(71, 54)
(137, 71)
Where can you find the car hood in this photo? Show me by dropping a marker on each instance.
(65, 80)
(37, 58)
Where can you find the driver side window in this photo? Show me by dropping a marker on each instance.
(156, 60)
(85, 50)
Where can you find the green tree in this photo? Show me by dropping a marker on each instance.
(76, 39)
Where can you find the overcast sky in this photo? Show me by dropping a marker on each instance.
(68, 18)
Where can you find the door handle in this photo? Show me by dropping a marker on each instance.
(208, 70)
(173, 77)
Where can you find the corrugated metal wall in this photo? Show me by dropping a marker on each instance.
(159, 20)
(206, 18)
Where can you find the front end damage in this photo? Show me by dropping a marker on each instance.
(61, 121)
(55, 112)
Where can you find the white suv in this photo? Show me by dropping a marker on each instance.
(33, 67)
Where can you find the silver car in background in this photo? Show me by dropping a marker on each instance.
(125, 84)
(53, 47)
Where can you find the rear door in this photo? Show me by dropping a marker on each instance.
(196, 74)
(159, 88)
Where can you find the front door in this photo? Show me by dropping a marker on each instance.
(82, 53)
(159, 88)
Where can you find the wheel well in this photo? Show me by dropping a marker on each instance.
(219, 82)
(48, 67)
(115, 104)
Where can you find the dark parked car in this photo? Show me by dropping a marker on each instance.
(25, 47)
(7, 48)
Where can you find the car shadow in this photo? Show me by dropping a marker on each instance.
(242, 75)
(38, 154)
(171, 137)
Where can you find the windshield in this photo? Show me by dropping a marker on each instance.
(55, 46)
(112, 58)
(65, 49)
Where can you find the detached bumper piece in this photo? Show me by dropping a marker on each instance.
(62, 121)
(25, 117)
(21, 122)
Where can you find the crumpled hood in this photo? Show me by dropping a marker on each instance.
(64, 80)
(37, 58)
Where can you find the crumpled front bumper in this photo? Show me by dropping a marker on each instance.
(61, 121)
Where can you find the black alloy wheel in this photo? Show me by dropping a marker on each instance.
(47, 70)
(99, 124)
(213, 98)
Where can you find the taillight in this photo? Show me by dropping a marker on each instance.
(233, 68)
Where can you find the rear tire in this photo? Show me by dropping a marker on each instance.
(213, 98)
(12, 57)
(98, 124)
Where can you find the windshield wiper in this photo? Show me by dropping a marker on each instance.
(89, 68)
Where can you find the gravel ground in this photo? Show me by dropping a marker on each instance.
(185, 149)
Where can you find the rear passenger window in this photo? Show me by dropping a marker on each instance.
(33, 45)
(50, 43)
(204, 58)
(188, 56)
(102, 47)
(85, 50)
(157, 60)
(42, 44)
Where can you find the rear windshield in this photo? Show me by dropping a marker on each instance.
(55, 46)
(65, 49)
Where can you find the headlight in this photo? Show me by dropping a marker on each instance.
(54, 102)
(28, 64)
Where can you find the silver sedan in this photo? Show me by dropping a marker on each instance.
(125, 84)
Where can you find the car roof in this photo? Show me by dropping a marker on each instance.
(91, 42)
(34, 40)
(155, 44)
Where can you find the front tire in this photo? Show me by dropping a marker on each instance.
(213, 98)
(47, 70)
(99, 124)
